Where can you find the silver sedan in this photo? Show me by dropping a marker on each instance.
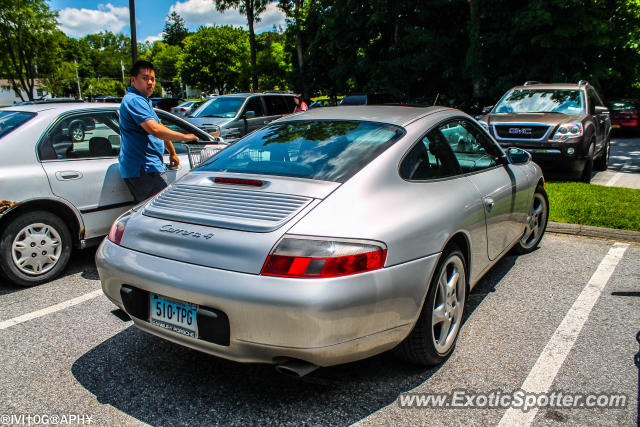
(327, 237)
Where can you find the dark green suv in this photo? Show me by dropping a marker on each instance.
(564, 126)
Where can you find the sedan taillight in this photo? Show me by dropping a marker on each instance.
(310, 257)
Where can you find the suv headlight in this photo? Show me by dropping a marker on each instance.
(568, 130)
(214, 131)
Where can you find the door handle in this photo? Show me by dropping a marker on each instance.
(489, 204)
(68, 175)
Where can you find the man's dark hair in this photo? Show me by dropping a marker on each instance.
(141, 65)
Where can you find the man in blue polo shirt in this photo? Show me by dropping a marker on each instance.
(144, 137)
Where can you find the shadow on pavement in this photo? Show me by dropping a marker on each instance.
(161, 383)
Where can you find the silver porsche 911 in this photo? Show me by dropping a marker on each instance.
(327, 237)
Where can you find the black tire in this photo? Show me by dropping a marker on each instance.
(45, 238)
(76, 132)
(422, 346)
(602, 162)
(587, 171)
(536, 223)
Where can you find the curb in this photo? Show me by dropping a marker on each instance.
(590, 231)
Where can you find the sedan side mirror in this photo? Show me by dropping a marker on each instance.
(249, 114)
(518, 156)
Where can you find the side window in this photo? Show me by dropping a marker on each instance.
(276, 105)
(469, 146)
(593, 100)
(82, 136)
(453, 148)
(255, 105)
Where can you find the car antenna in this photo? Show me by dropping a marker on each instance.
(436, 100)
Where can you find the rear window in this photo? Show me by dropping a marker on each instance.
(10, 120)
(325, 150)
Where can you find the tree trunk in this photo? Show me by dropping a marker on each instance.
(252, 44)
(299, 4)
(474, 56)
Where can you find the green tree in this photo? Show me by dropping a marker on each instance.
(26, 42)
(252, 10)
(174, 30)
(164, 58)
(272, 61)
(295, 11)
(215, 58)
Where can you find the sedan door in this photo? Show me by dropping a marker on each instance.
(85, 171)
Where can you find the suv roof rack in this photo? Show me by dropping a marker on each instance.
(286, 92)
(583, 82)
(532, 82)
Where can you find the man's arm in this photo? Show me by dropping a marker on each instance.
(174, 160)
(161, 131)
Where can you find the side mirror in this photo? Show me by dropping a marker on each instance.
(487, 109)
(517, 156)
(249, 114)
(601, 110)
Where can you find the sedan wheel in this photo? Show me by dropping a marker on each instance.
(535, 224)
(434, 336)
(34, 248)
(77, 132)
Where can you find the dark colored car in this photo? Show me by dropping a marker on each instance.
(369, 99)
(165, 104)
(625, 114)
(565, 126)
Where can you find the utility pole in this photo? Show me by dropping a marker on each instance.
(78, 80)
(132, 23)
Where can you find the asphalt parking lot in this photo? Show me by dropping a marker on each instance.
(67, 352)
(624, 163)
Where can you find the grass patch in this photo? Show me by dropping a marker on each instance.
(588, 204)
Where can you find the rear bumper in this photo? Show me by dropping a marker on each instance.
(321, 321)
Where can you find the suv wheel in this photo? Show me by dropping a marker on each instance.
(587, 171)
(34, 248)
(602, 163)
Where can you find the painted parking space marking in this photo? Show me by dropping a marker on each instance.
(557, 349)
(49, 310)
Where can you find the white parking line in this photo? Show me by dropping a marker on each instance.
(615, 178)
(63, 305)
(557, 349)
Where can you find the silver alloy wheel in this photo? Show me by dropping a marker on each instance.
(448, 304)
(536, 222)
(36, 249)
(77, 133)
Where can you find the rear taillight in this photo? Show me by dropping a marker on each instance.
(309, 257)
(117, 229)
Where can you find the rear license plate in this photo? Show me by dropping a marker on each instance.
(615, 126)
(174, 316)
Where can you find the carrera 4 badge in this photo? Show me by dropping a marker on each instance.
(181, 231)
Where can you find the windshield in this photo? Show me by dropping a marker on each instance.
(223, 106)
(567, 101)
(316, 149)
(10, 120)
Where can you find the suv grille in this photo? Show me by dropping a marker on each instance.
(519, 131)
(226, 207)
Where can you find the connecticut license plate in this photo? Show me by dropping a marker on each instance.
(174, 316)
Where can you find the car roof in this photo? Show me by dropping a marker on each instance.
(551, 86)
(59, 108)
(397, 115)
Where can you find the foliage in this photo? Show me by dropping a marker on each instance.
(103, 87)
(272, 61)
(252, 10)
(215, 58)
(164, 58)
(27, 41)
(596, 205)
(174, 30)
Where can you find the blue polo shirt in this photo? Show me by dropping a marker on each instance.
(138, 149)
